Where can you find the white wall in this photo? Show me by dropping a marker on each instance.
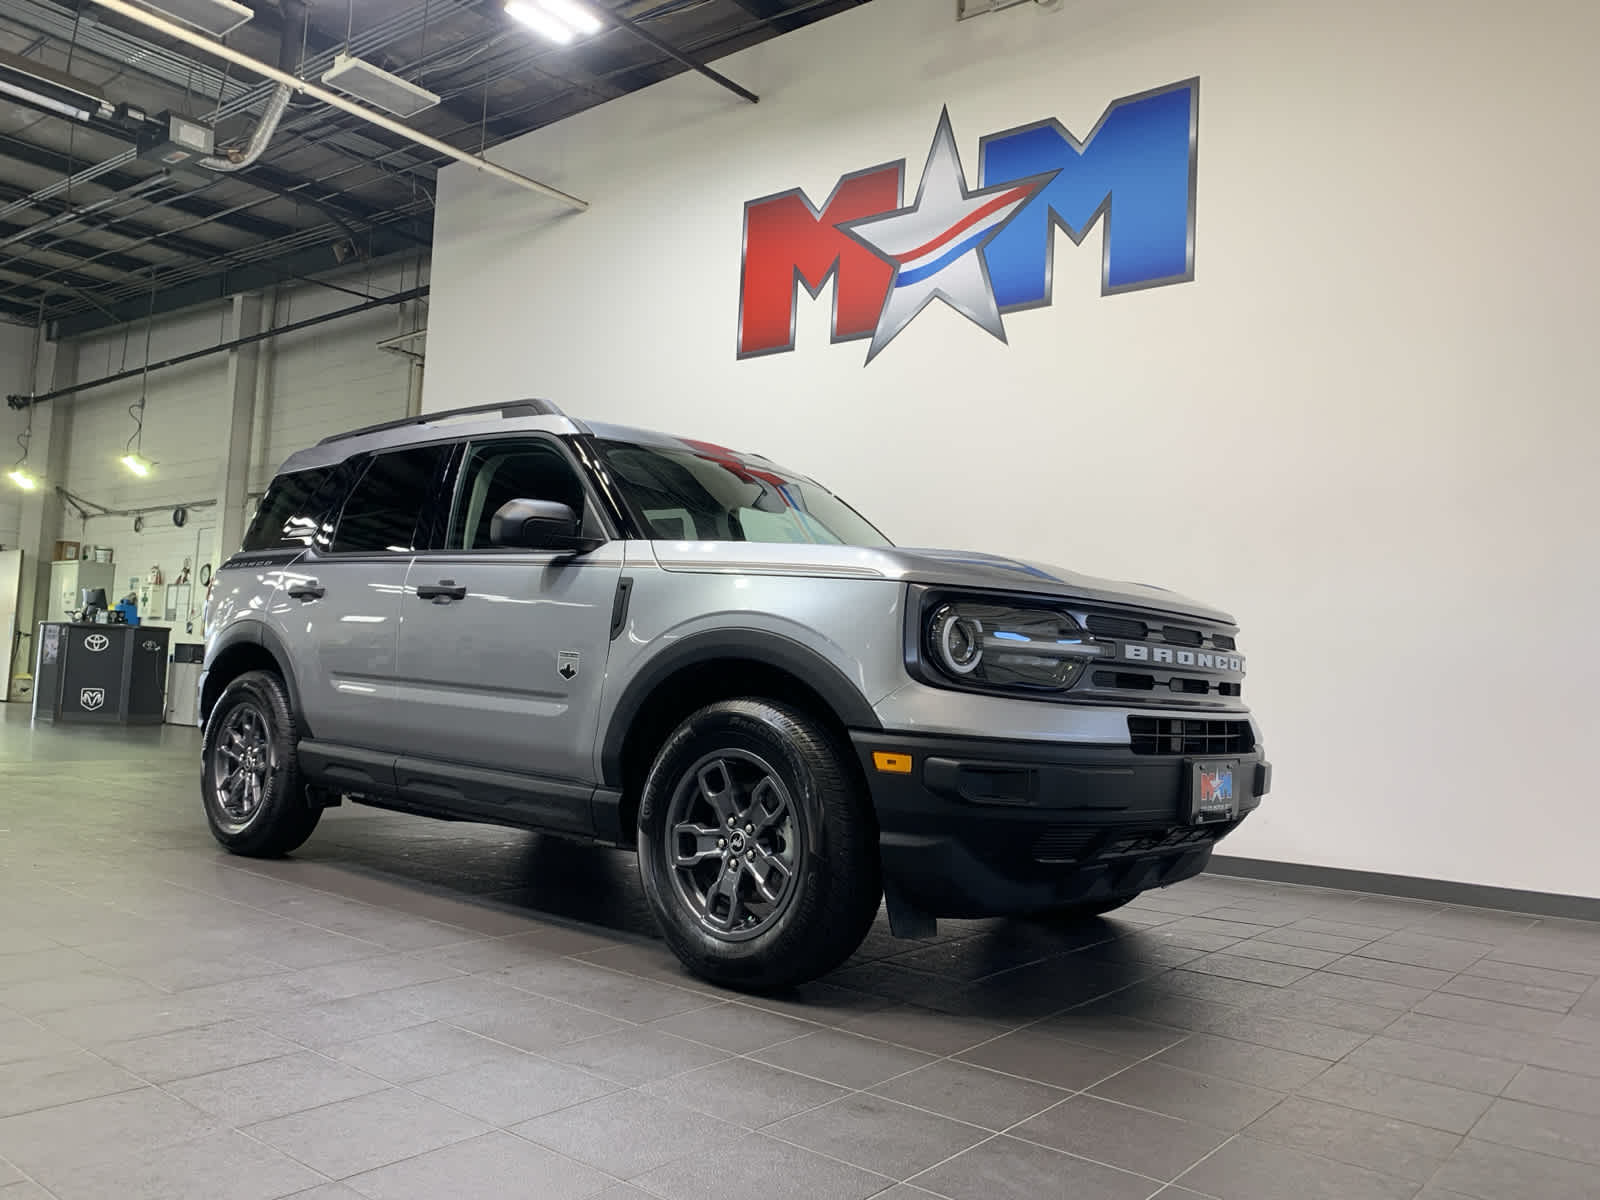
(1367, 426)
(15, 345)
(315, 382)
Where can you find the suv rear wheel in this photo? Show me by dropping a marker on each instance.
(249, 776)
(757, 847)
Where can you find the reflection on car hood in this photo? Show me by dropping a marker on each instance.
(945, 568)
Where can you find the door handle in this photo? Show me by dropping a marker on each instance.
(442, 592)
(307, 589)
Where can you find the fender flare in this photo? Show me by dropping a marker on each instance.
(260, 634)
(769, 649)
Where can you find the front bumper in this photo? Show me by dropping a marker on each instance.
(984, 827)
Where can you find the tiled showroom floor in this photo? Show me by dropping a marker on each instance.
(414, 1009)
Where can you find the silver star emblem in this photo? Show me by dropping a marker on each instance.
(934, 243)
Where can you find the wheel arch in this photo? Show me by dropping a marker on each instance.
(704, 668)
(249, 646)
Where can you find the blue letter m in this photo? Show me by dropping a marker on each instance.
(1137, 167)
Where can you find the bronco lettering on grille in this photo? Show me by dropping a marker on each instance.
(1202, 659)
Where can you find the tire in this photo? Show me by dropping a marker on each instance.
(808, 887)
(259, 807)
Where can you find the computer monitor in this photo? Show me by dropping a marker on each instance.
(94, 600)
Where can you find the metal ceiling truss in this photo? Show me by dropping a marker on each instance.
(91, 255)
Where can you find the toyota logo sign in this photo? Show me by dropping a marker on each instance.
(96, 642)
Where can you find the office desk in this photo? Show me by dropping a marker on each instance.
(100, 674)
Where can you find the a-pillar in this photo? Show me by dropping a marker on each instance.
(55, 366)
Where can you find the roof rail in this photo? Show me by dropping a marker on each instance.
(505, 408)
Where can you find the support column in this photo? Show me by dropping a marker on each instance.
(243, 379)
(55, 366)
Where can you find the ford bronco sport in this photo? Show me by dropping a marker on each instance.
(506, 615)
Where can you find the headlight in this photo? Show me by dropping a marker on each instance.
(1004, 646)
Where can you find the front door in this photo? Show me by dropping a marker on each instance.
(502, 653)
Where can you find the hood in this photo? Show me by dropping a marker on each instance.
(941, 568)
(961, 568)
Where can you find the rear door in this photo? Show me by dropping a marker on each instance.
(502, 653)
(345, 600)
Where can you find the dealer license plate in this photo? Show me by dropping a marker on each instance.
(1214, 792)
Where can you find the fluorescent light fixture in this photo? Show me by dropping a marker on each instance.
(139, 466)
(545, 24)
(216, 17)
(23, 480)
(377, 87)
(39, 86)
(573, 15)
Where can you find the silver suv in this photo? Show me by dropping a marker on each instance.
(506, 615)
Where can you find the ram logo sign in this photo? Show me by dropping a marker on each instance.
(984, 251)
(90, 699)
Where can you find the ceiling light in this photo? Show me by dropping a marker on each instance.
(573, 14)
(378, 87)
(139, 466)
(23, 480)
(545, 24)
(216, 17)
(39, 86)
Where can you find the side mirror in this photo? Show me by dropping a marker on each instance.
(539, 525)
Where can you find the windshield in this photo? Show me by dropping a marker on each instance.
(704, 493)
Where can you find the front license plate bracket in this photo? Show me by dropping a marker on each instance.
(1215, 787)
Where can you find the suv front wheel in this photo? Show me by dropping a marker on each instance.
(249, 776)
(757, 847)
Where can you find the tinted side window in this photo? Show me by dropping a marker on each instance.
(495, 472)
(381, 515)
(289, 512)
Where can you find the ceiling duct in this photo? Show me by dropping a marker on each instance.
(294, 32)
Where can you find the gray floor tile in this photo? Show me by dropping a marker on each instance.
(1415, 1060)
(1486, 1171)
(76, 989)
(494, 1165)
(1130, 1138)
(1249, 1169)
(1283, 1033)
(91, 1131)
(538, 1024)
(843, 1058)
(878, 1134)
(362, 976)
(1045, 1059)
(60, 1079)
(225, 1164)
(420, 1051)
(624, 997)
(336, 1022)
(276, 1087)
(1251, 968)
(923, 1029)
(1442, 954)
(1384, 971)
(1127, 1036)
(367, 1132)
(1506, 992)
(1381, 1144)
(22, 1039)
(628, 1133)
(1432, 1104)
(506, 1091)
(1556, 1089)
(123, 1020)
(457, 996)
(1351, 1015)
(1578, 1029)
(1238, 992)
(972, 1094)
(1007, 1169)
(1551, 1131)
(1565, 981)
(736, 1028)
(744, 1092)
(761, 1166)
(9, 1174)
(1297, 935)
(1243, 1062)
(1489, 1012)
(637, 1056)
(1363, 991)
(1282, 952)
(1190, 1096)
(189, 1052)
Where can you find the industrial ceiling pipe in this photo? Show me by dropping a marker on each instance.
(201, 42)
(294, 32)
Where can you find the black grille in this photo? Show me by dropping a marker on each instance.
(1183, 637)
(1189, 735)
(1223, 641)
(1127, 681)
(1074, 843)
(1122, 627)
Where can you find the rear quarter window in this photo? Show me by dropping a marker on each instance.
(290, 512)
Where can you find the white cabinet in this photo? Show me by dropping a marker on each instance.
(69, 578)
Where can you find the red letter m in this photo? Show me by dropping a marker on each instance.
(788, 241)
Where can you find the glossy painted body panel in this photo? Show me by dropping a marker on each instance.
(479, 679)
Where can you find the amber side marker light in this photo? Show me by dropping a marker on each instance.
(892, 764)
